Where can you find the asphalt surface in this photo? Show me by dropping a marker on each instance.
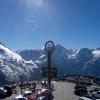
(63, 91)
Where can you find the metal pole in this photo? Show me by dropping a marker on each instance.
(49, 69)
(49, 76)
(49, 48)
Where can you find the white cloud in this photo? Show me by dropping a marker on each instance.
(29, 21)
(33, 23)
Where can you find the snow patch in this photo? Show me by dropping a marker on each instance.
(37, 61)
(42, 56)
(96, 53)
(10, 54)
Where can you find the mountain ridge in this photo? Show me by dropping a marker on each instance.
(76, 61)
(27, 64)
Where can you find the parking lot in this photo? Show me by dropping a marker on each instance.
(38, 86)
(62, 91)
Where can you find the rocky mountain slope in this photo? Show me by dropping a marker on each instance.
(14, 68)
(80, 61)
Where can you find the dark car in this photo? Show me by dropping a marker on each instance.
(80, 90)
(3, 93)
(9, 90)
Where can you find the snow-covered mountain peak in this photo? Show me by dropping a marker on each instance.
(84, 54)
(83, 51)
(4, 51)
(13, 67)
(96, 53)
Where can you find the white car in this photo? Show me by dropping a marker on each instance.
(19, 97)
(96, 94)
(44, 89)
(27, 93)
(86, 98)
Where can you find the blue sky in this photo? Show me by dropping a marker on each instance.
(28, 24)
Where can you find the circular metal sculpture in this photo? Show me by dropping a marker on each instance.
(49, 46)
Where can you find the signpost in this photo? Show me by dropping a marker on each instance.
(49, 72)
(53, 72)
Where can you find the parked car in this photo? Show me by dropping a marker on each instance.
(44, 94)
(87, 98)
(94, 90)
(9, 90)
(27, 94)
(80, 90)
(32, 97)
(96, 94)
(19, 97)
(84, 98)
(3, 93)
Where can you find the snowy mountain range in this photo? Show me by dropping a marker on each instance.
(26, 64)
(77, 61)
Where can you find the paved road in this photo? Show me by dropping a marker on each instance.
(64, 91)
